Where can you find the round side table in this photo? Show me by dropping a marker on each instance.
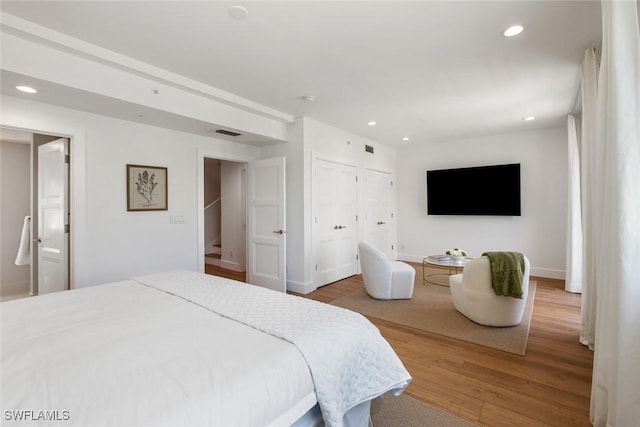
(441, 279)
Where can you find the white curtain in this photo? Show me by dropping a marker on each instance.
(589, 153)
(615, 394)
(573, 275)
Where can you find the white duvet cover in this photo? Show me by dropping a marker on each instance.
(124, 354)
(174, 349)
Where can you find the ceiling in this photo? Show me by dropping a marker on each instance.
(427, 70)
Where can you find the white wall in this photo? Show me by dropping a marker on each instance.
(109, 243)
(212, 212)
(15, 193)
(104, 144)
(233, 216)
(211, 180)
(539, 233)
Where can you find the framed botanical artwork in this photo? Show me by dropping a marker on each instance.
(146, 188)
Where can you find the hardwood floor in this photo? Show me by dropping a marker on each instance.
(223, 272)
(549, 386)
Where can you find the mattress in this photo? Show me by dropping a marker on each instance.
(140, 353)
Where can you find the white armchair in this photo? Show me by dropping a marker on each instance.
(383, 278)
(474, 296)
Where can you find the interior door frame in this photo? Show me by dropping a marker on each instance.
(78, 270)
(211, 153)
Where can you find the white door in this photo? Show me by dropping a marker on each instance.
(53, 238)
(379, 218)
(266, 223)
(334, 225)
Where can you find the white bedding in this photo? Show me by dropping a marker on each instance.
(129, 354)
(349, 360)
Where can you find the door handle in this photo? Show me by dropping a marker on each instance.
(39, 240)
(381, 222)
(339, 227)
(279, 232)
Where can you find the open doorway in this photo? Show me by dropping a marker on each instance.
(264, 245)
(15, 207)
(225, 218)
(34, 214)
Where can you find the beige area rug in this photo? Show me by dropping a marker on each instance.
(405, 411)
(431, 309)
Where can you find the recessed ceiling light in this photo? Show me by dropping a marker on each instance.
(513, 31)
(309, 98)
(372, 123)
(406, 138)
(26, 89)
(238, 12)
(529, 118)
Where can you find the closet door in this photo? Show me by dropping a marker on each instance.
(334, 226)
(378, 208)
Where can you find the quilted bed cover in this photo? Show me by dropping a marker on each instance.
(184, 348)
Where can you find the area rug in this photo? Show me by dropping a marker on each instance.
(405, 411)
(431, 309)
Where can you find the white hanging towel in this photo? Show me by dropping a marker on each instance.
(24, 251)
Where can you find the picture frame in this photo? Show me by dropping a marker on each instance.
(147, 188)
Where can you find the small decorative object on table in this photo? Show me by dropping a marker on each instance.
(457, 254)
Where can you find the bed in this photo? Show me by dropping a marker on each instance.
(187, 349)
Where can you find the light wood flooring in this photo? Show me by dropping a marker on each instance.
(549, 386)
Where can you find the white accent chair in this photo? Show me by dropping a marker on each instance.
(383, 278)
(474, 297)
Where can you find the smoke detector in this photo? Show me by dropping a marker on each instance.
(238, 12)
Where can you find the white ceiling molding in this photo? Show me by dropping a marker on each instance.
(397, 62)
(45, 36)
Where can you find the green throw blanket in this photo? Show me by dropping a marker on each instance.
(507, 271)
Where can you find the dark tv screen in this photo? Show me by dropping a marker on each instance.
(482, 190)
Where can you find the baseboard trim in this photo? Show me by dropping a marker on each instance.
(548, 273)
(300, 288)
(212, 261)
(233, 266)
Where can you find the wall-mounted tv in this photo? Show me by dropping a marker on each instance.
(481, 190)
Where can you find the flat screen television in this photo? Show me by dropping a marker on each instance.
(481, 190)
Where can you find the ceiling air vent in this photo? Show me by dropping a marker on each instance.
(228, 132)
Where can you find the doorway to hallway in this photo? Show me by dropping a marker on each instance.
(35, 219)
